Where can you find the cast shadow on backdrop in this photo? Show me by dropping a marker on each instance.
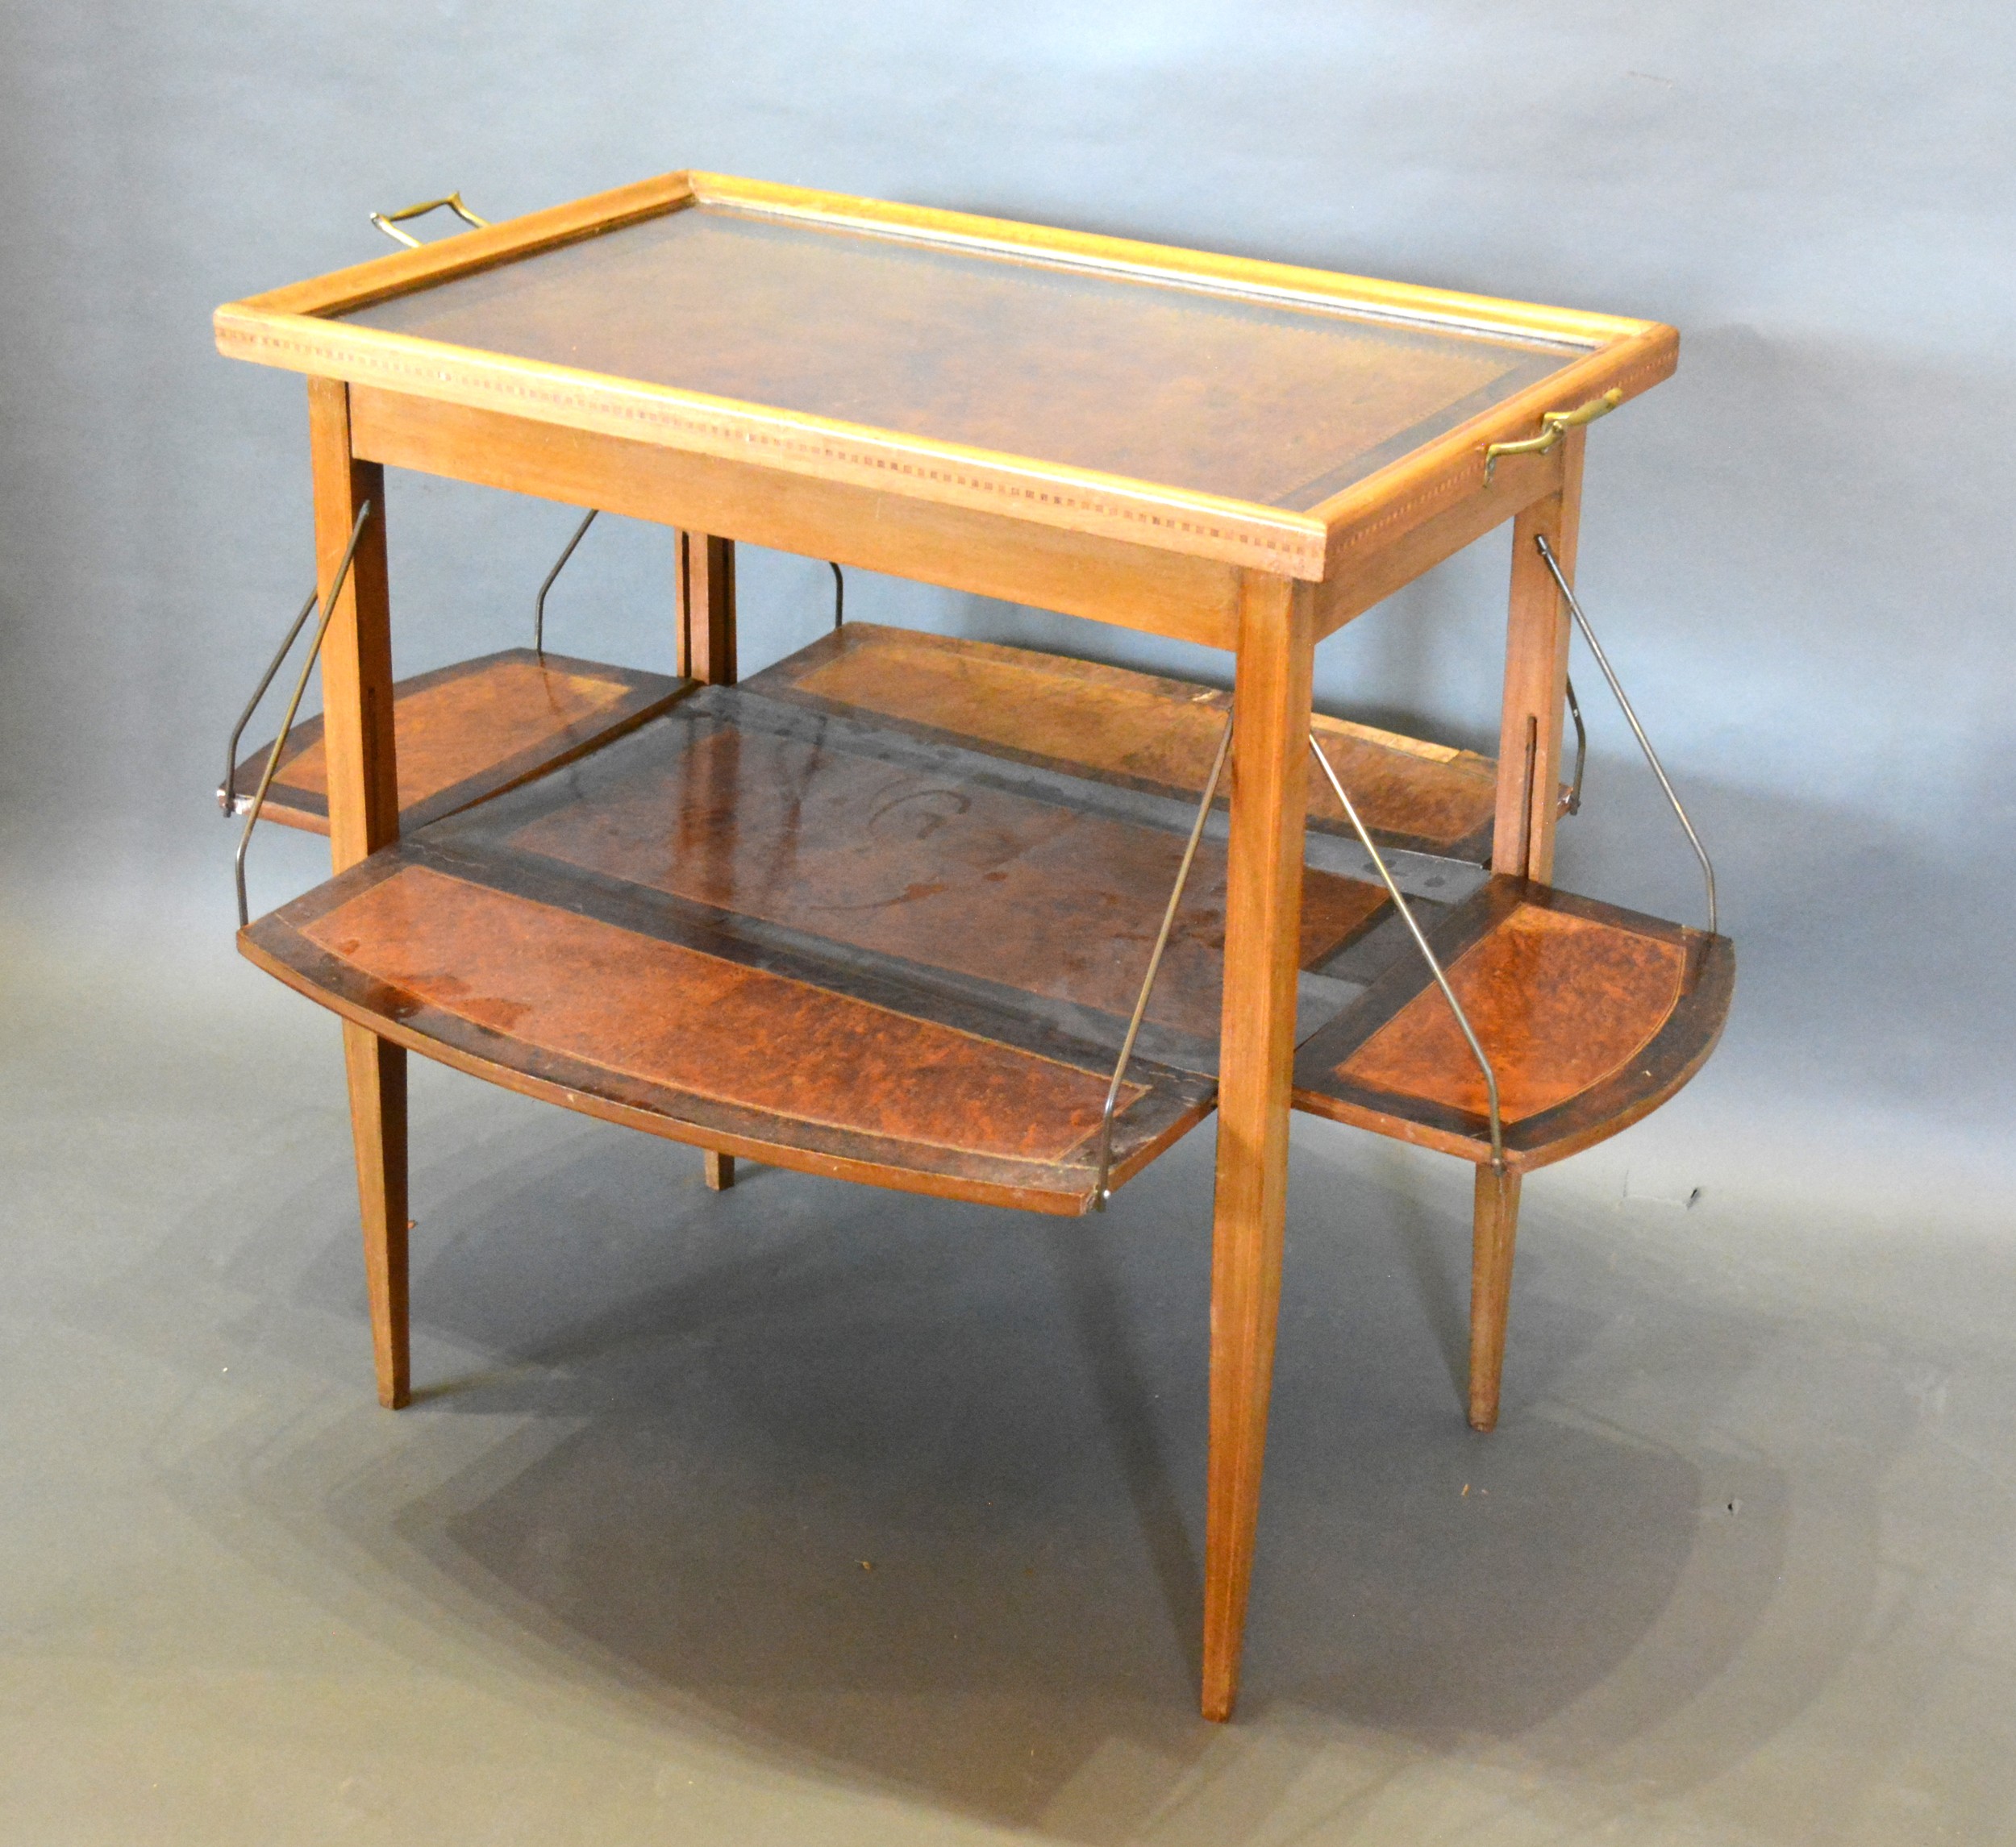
(716, 1408)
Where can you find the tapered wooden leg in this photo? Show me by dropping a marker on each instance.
(376, 1070)
(1495, 1228)
(364, 815)
(706, 652)
(705, 636)
(1522, 846)
(1270, 752)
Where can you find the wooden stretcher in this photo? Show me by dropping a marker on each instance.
(884, 911)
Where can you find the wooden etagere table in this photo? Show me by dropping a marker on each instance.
(881, 911)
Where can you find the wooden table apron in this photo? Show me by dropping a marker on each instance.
(1243, 576)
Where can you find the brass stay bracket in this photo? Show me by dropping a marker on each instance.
(1554, 425)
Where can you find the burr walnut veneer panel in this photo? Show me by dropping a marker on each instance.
(1591, 1016)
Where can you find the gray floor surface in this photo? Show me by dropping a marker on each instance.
(814, 1513)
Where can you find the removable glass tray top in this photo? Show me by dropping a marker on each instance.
(1257, 415)
(1271, 400)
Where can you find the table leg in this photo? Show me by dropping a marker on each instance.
(1270, 752)
(376, 1072)
(1497, 1219)
(1522, 845)
(364, 815)
(706, 608)
(706, 654)
(1536, 679)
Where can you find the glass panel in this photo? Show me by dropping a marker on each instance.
(1282, 404)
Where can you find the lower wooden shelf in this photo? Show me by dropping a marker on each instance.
(1141, 729)
(811, 940)
(464, 733)
(883, 914)
(1591, 1016)
(470, 731)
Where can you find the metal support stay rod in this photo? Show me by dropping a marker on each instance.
(1100, 1193)
(1630, 718)
(1427, 956)
(1581, 748)
(293, 706)
(227, 790)
(559, 564)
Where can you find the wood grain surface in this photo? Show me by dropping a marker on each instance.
(1532, 714)
(985, 552)
(1494, 1230)
(1276, 401)
(707, 611)
(1559, 1002)
(736, 860)
(715, 1049)
(682, 1021)
(362, 783)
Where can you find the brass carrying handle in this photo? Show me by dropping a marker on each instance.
(389, 221)
(1554, 425)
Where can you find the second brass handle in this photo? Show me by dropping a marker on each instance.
(389, 221)
(1554, 425)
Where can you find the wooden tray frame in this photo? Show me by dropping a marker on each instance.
(292, 328)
